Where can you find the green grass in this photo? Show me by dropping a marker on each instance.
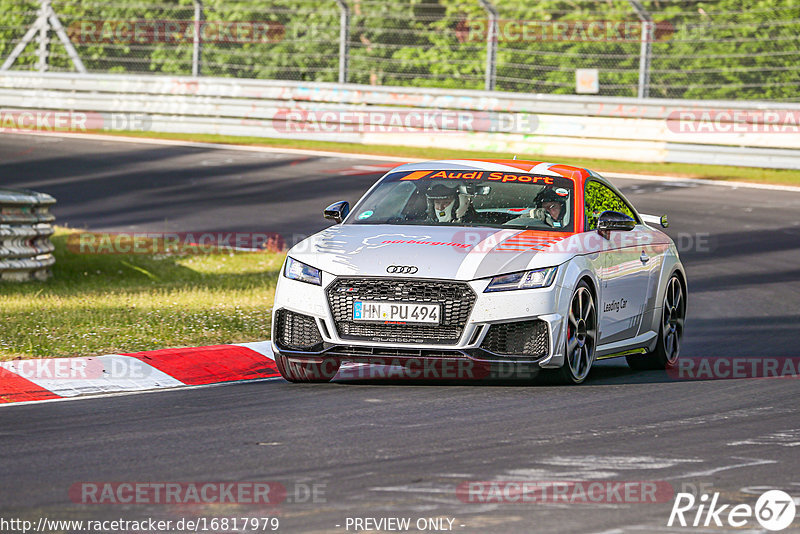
(713, 172)
(105, 304)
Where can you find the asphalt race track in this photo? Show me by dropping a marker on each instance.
(401, 450)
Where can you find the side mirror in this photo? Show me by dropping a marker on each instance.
(655, 219)
(614, 221)
(337, 211)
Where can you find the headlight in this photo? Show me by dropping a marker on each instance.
(296, 270)
(523, 280)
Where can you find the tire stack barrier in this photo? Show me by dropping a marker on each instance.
(26, 252)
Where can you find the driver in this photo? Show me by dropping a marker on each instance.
(445, 204)
(550, 208)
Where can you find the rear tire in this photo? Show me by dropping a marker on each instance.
(670, 332)
(295, 371)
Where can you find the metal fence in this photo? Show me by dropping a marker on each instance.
(657, 48)
(739, 133)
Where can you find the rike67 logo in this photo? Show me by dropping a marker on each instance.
(774, 510)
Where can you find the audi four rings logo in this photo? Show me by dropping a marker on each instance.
(402, 269)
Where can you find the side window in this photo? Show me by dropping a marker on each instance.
(600, 198)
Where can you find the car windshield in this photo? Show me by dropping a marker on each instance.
(469, 198)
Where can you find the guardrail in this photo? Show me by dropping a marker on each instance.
(25, 230)
(648, 130)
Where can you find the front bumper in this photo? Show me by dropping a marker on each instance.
(497, 309)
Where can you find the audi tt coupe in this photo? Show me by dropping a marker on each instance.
(481, 268)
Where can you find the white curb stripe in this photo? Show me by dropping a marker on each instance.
(120, 373)
(262, 347)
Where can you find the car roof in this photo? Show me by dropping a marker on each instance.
(503, 165)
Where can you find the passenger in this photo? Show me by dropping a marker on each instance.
(550, 208)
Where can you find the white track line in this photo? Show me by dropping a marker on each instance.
(159, 390)
(722, 183)
(220, 146)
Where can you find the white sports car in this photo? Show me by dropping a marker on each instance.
(480, 268)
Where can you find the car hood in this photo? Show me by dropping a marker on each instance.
(443, 252)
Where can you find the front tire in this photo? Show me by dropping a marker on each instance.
(670, 332)
(303, 371)
(581, 337)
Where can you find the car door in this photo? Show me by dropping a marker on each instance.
(625, 267)
(655, 246)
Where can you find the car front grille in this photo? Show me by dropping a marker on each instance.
(522, 338)
(296, 331)
(455, 298)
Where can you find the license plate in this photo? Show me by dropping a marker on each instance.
(400, 312)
